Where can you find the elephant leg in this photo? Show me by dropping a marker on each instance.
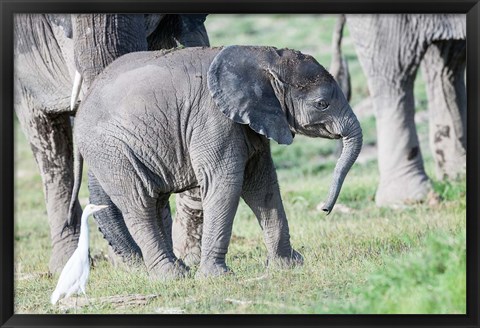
(137, 194)
(151, 235)
(444, 67)
(262, 194)
(402, 174)
(112, 225)
(50, 138)
(141, 207)
(390, 49)
(220, 203)
(188, 226)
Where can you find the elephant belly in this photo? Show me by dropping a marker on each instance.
(119, 156)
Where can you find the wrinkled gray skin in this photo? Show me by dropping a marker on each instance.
(44, 70)
(157, 123)
(390, 49)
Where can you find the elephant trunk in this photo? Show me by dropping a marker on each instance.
(100, 39)
(352, 144)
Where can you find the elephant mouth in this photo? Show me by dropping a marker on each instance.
(335, 136)
(320, 130)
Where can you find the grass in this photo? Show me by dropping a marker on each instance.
(358, 259)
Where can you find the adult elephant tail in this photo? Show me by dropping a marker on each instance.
(339, 65)
(73, 219)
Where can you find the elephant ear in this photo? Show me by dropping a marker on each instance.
(241, 80)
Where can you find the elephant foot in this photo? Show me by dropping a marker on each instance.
(212, 268)
(169, 270)
(452, 168)
(124, 262)
(192, 258)
(187, 227)
(187, 248)
(404, 191)
(284, 262)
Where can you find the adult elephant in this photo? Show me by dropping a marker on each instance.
(390, 49)
(48, 50)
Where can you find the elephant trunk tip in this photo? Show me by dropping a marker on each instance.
(327, 207)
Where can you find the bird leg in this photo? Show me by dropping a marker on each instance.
(88, 301)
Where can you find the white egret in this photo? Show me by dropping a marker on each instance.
(75, 273)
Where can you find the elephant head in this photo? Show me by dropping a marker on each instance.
(280, 92)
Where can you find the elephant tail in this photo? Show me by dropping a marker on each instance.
(339, 65)
(72, 219)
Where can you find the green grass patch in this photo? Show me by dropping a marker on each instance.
(431, 279)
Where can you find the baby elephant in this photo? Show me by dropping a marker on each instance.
(157, 123)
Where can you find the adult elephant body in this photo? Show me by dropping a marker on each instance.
(48, 50)
(44, 72)
(156, 123)
(390, 49)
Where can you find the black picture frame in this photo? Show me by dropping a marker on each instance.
(9, 8)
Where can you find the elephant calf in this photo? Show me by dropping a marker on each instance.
(156, 123)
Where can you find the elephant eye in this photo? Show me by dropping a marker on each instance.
(322, 104)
